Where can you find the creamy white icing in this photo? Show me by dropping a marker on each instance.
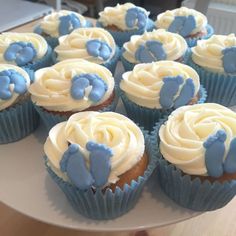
(173, 44)
(166, 18)
(50, 23)
(116, 16)
(38, 42)
(7, 103)
(183, 135)
(144, 83)
(74, 44)
(208, 53)
(51, 88)
(114, 130)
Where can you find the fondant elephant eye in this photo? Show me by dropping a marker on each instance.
(81, 82)
(183, 25)
(150, 51)
(20, 52)
(68, 23)
(97, 48)
(135, 17)
(229, 60)
(8, 77)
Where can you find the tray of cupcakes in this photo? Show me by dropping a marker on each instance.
(120, 125)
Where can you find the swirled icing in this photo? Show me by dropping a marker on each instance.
(143, 85)
(39, 43)
(5, 103)
(114, 130)
(165, 19)
(173, 44)
(52, 86)
(50, 23)
(209, 53)
(183, 136)
(117, 16)
(74, 44)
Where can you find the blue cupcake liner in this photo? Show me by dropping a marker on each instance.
(30, 73)
(110, 65)
(191, 193)
(221, 88)
(193, 41)
(105, 205)
(128, 66)
(49, 119)
(124, 36)
(17, 122)
(147, 117)
(40, 63)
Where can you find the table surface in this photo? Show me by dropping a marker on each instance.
(217, 223)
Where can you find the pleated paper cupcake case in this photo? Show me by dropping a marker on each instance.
(221, 88)
(18, 122)
(107, 205)
(49, 119)
(147, 117)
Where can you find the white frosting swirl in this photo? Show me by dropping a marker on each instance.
(166, 18)
(116, 16)
(183, 135)
(114, 130)
(173, 44)
(74, 44)
(38, 42)
(144, 83)
(50, 23)
(7, 103)
(51, 88)
(208, 53)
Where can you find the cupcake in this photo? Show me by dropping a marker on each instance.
(28, 50)
(189, 23)
(92, 44)
(17, 115)
(153, 46)
(197, 168)
(60, 23)
(125, 20)
(153, 90)
(72, 86)
(100, 161)
(215, 61)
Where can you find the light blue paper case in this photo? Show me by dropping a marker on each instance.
(221, 88)
(124, 36)
(193, 41)
(107, 205)
(191, 193)
(110, 65)
(147, 117)
(17, 122)
(49, 119)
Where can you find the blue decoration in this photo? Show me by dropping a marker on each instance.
(169, 90)
(183, 25)
(100, 162)
(8, 77)
(38, 30)
(68, 23)
(136, 17)
(97, 48)
(150, 51)
(229, 59)
(20, 52)
(74, 165)
(230, 161)
(215, 149)
(186, 94)
(82, 81)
